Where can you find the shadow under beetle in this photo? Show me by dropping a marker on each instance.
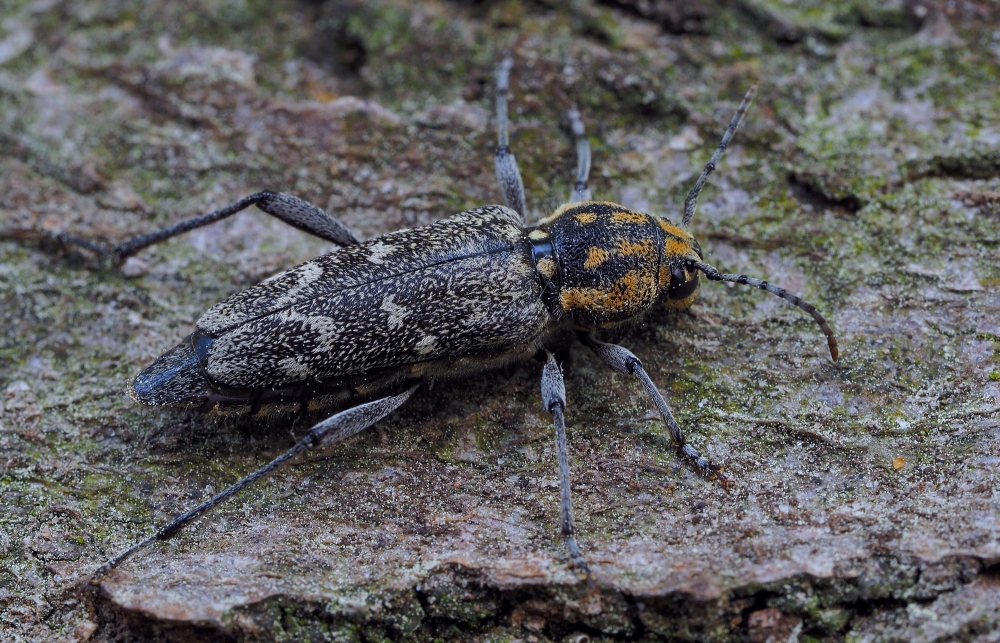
(470, 292)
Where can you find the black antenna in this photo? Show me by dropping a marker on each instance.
(715, 275)
(691, 202)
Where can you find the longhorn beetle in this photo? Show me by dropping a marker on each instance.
(468, 293)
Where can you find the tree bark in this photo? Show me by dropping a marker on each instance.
(865, 179)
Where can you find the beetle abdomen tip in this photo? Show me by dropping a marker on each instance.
(175, 378)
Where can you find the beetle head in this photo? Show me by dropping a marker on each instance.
(679, 248)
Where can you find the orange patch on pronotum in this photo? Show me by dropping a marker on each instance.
(595, 257)
(628, 248)
(627, 216)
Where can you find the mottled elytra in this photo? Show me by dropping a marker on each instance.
(373, 320)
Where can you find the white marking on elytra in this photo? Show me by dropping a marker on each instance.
(295, 367)
(426, 345)
(379, 251)
(305, 275)
(396, 312)
(327, 333)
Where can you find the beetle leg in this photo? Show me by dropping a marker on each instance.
(292, 210)
(623, 360)
(554, 400)
(508, 176)
(333, 429)
(581, 192)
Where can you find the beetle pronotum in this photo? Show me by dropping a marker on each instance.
(372, 320)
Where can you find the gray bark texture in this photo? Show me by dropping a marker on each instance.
(866, 178)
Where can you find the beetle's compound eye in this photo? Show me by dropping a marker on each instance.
(683, 283)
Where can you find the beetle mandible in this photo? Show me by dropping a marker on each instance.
(476, 290)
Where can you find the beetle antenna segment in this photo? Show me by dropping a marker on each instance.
(580, 190)
(508, 176)
(715, 275)
(333, 429)
(691, 202)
